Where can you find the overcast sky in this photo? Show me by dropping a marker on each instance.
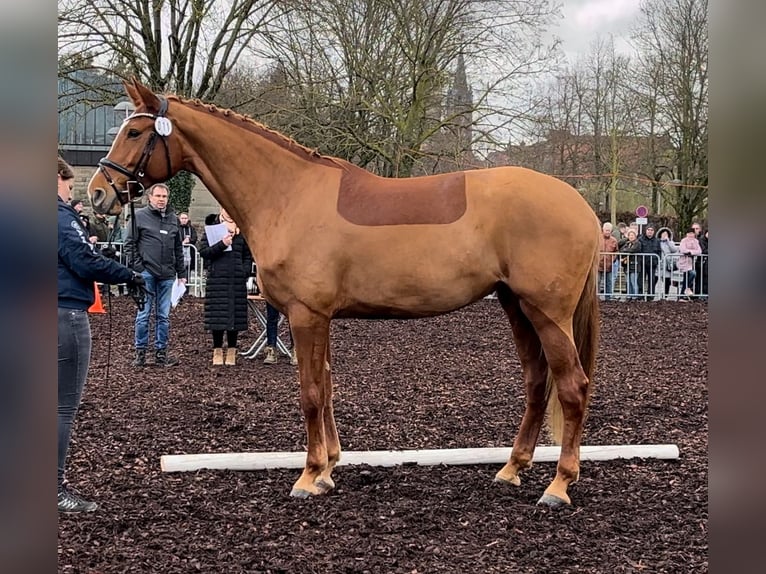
(585, 20)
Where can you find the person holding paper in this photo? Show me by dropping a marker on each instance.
(228, 263)
(154, 248)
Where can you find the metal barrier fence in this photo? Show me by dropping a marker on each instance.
(630, 276)
(647, 277)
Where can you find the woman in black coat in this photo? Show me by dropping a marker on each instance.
(228, 263)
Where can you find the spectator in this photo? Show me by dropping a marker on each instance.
(99, 226)
(619, 234)
(652, 252)
(606, 261)
(668, 261)
(78, 207)
(620, 244)
(110, 252)
(699, 262)
(631, 247)
(703, 281)
(115, 229)
(621, 231)
(188, 238)
(125, 226)
(154, 249)
(79, 266)
(272, 330)
(228, 263)
(689, 247)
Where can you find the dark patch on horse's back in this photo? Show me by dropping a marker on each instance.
(367, 199)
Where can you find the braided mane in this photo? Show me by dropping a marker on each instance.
(274, 136)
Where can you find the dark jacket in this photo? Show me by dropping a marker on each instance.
(630, 247)
(189, 231)
(650, 245)
(157, 246)
(80, 264)
(226, 283)
(100, 228)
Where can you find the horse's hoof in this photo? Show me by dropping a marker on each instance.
(515, 481)
(324, 486)
(552, 501)
(299, 493)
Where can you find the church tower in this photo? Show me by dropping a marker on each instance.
(459, 103)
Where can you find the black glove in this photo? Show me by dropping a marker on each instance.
(137, 289)
(109, 252)
(136, 281)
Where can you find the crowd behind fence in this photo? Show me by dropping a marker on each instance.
(648, 277)
(634, 276)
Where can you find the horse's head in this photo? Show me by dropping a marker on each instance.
(135, 161)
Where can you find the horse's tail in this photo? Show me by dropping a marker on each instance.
(585, 325)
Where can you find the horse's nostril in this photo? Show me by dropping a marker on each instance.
(97, 196)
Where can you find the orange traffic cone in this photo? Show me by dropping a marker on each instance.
(97, 307)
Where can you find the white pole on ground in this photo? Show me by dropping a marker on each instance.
(265, 460)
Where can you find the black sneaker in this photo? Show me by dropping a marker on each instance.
(162, 359)
(140, 360)
(71, 502)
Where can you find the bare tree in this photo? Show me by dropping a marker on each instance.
(657, 158)
(368, 78)
(673, 35)
(587, 121)
(184, 46)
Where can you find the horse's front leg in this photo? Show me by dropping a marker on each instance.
(311, 334)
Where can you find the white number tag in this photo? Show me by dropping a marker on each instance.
(163, 126)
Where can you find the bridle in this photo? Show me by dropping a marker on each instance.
(134, 187)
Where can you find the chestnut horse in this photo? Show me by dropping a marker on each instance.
(333, 240)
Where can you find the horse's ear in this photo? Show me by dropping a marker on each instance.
(141, 95)
(131, 90)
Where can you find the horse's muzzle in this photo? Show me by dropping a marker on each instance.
(100, 200)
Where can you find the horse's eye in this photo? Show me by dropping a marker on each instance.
(133, 133)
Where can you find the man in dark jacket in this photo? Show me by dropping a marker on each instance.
(650, 245)
(79, 266)
(154, 248)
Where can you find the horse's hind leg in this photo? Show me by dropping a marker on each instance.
(325, 481)
(534, 368)
(571, 385)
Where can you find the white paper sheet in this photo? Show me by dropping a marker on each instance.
(216, 233)
(179, 288)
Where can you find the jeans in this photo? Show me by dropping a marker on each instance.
(633, 292)
(272, 326)
(650, 270)
(158, 298)
(74, 344)
(688, 281)
(606, 284)
(615, 272)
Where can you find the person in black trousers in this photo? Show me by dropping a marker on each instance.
(228, 263)
(650, 246)
(80, 265)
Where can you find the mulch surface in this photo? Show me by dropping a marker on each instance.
(448, 382)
